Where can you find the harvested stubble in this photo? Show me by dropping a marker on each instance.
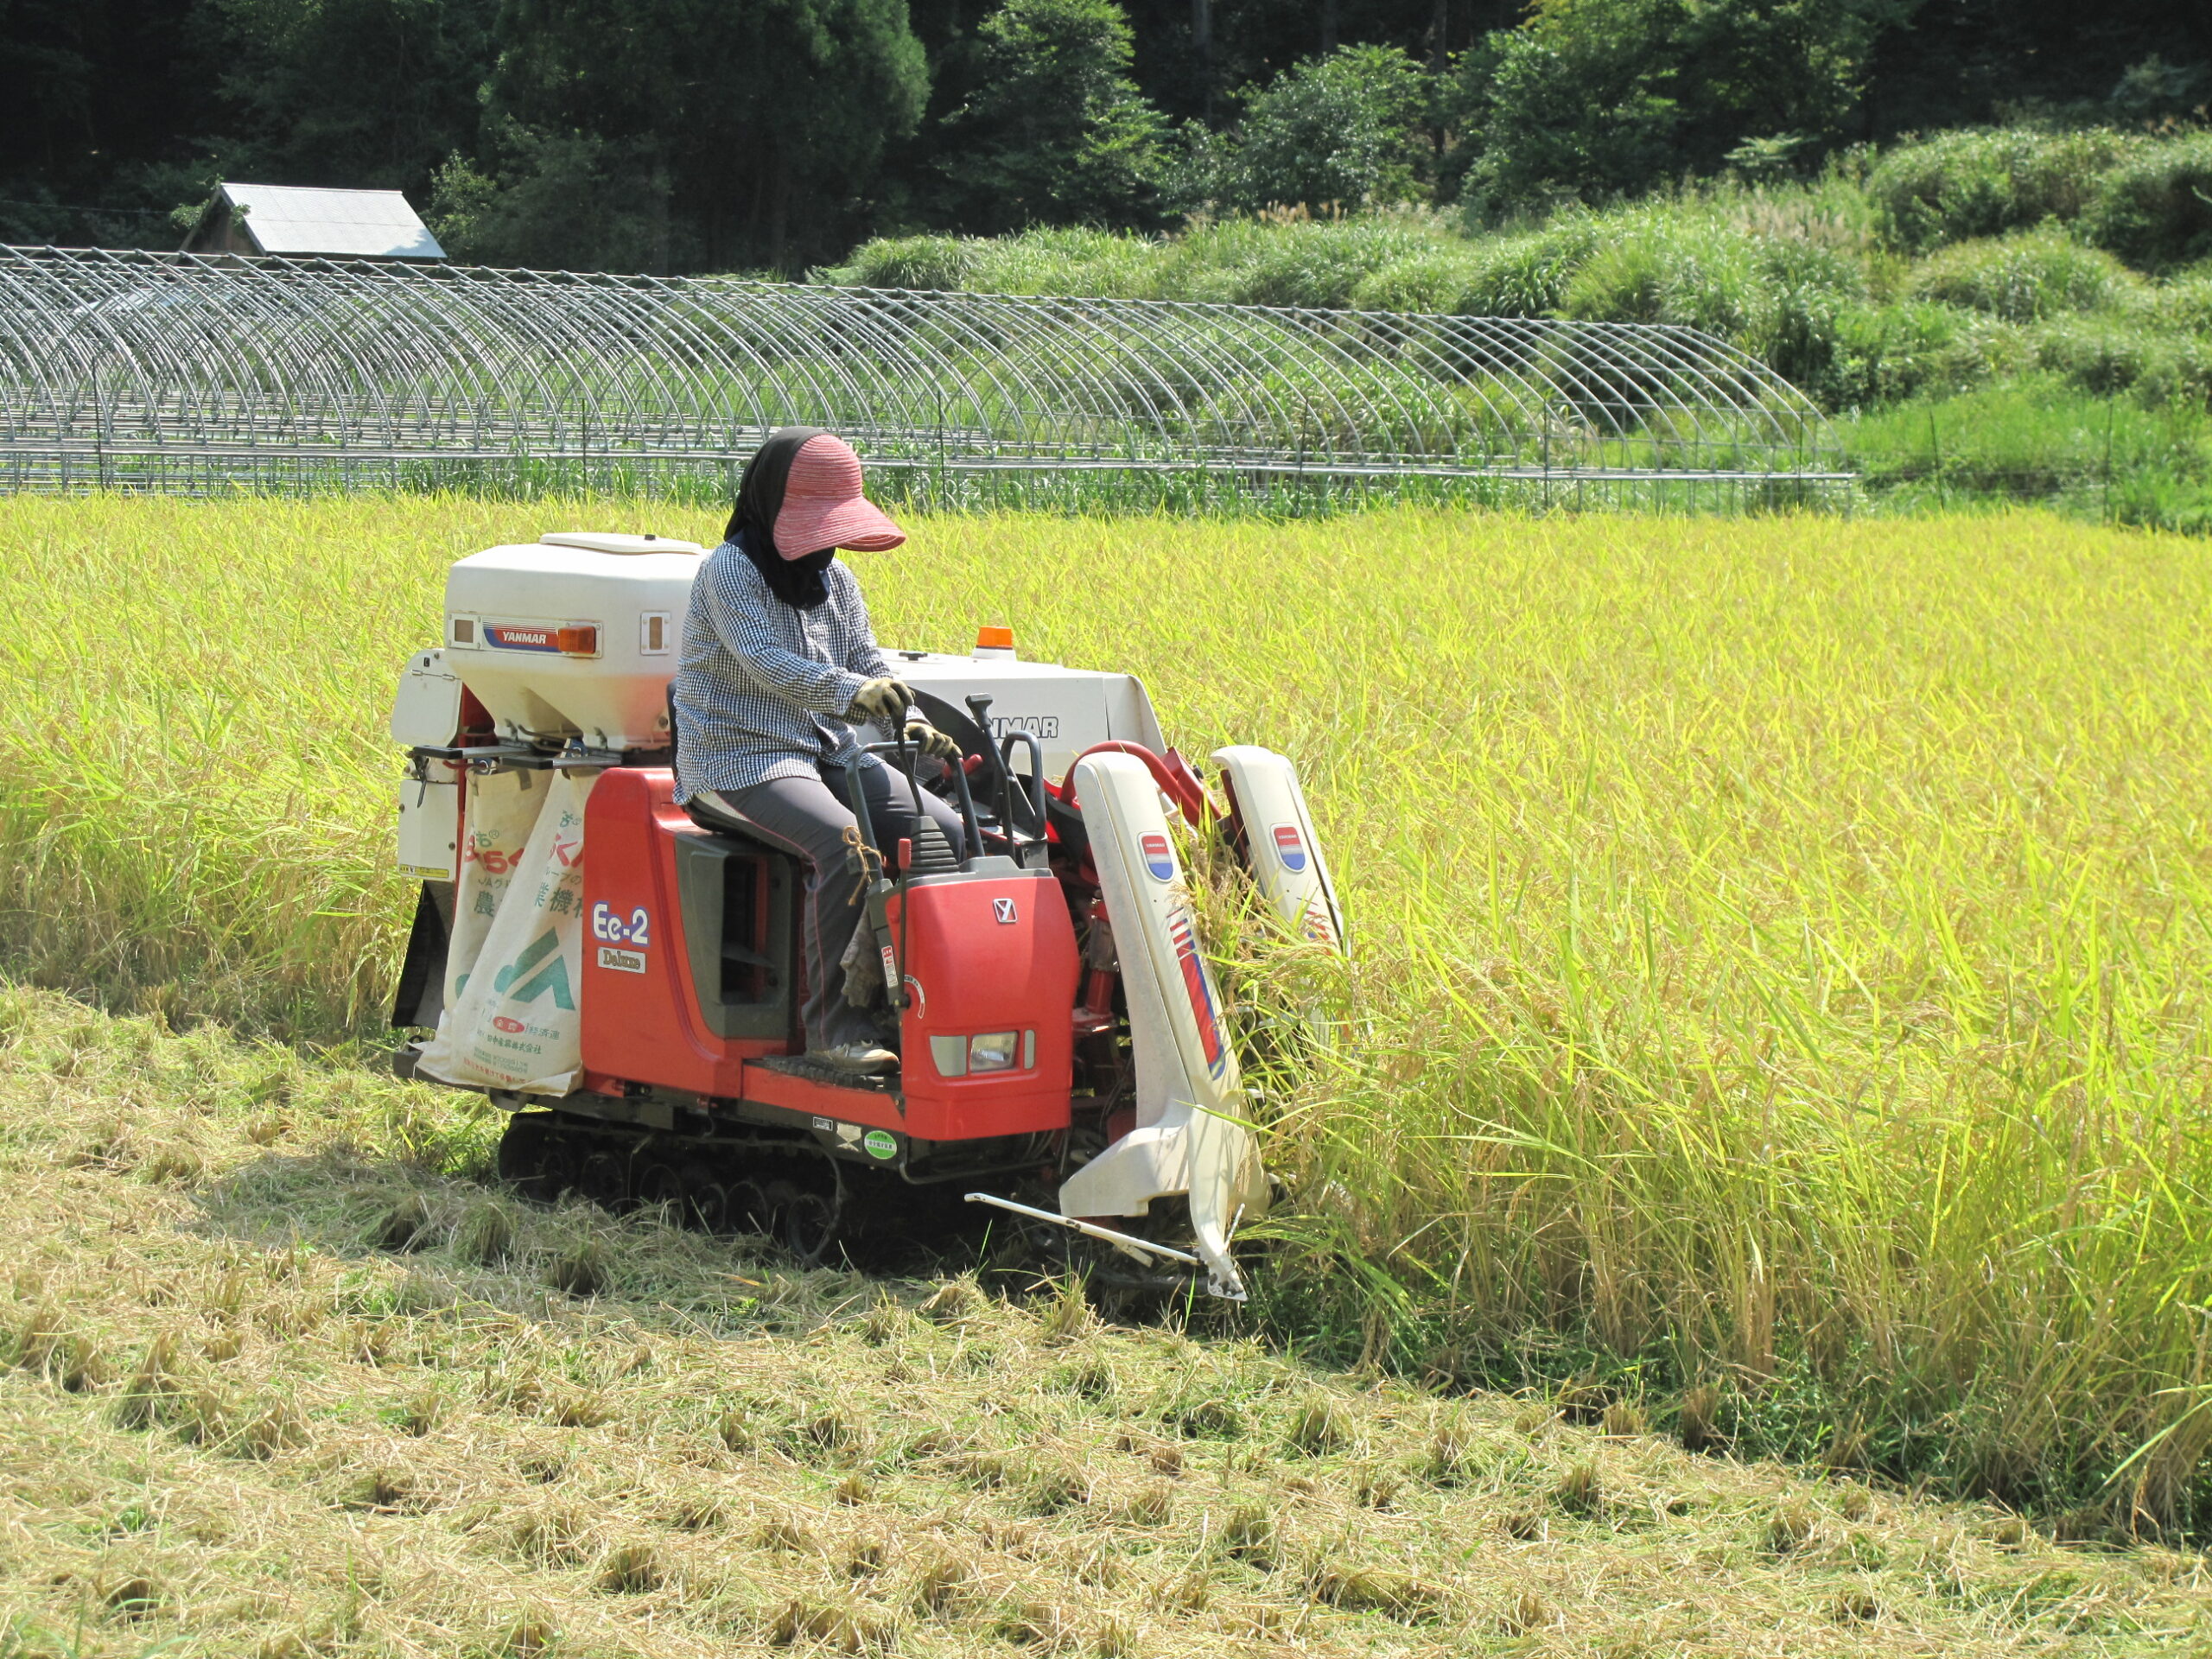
(432, 1492)
(1781, 992)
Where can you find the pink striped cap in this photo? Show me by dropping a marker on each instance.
(824, 506)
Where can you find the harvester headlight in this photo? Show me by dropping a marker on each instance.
(993, 1051)
(950, 1054)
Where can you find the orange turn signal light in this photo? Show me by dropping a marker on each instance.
(578, 642)
(989, 638)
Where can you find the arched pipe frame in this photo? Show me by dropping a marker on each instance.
(196, 374)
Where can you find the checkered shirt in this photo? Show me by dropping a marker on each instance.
(764, 687)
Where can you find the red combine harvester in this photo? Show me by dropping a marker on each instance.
(637, 1009)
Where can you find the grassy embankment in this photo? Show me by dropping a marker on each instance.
(2012, 314)
(274, 1383)
(1780, 1000)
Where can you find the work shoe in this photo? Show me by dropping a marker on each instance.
(863, 1058)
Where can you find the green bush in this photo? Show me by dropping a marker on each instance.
(1430, 282)
(2022, 277)
(1300, 263)
(1288, 262)
(1665, 270)
(1885, 352)
(1807, 289)
(1523, 275)
(1307, 269)
(922, 261)
(1831, 212)
(2154, 209)
(1778, 298)
(2185, 303)
(1528, 276)
(1982, 182)
(2109, 355)
(1094, 264)
(1087, 263)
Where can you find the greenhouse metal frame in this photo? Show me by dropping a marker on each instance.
(197, 374)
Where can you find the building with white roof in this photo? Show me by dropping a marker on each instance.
(307, 223)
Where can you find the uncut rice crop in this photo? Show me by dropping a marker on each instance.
(1780, 994)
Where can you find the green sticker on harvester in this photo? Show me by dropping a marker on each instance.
(881, 1143)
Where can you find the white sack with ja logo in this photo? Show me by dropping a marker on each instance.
(513, 1022)
(503, 807)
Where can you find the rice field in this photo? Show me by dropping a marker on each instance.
(278, 1378)
(1779, 1011)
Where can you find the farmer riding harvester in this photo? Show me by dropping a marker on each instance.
(853, 925)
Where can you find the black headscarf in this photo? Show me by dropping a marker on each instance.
(799, 582)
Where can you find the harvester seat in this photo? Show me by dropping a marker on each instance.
(708, 812)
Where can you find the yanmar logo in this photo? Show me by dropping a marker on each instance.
(508, 636)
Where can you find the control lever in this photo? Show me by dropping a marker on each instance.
(979, 705)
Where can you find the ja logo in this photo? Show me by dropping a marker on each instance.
(540, 968)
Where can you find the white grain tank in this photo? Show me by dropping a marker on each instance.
(575, 636)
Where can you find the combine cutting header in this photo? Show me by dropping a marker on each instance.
(622, 975)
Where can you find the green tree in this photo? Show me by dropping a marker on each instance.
(101, 96)
(1595, 98)
(569, 202)
(1055, 131)
(1343, 131)
(47, 50)
(676, 134)
(351, 92)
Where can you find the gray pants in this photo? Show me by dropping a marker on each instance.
(810, 818)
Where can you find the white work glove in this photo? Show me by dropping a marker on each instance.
(883, 700)
(930, 741)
